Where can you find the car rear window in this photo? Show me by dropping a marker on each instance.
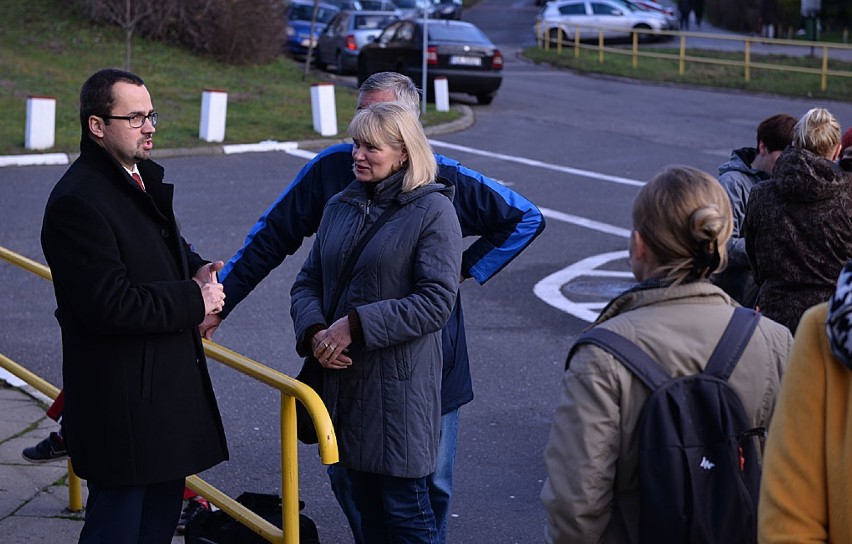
(456, 33)
(372, 22)
(306, 12)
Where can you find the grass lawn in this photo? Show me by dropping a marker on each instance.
(618, 61)
(47, 49)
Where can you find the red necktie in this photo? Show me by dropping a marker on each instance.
(138, 179)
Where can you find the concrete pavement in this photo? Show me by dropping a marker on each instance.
(33, 497)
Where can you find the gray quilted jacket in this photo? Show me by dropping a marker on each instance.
(738, 178)
(386, 406)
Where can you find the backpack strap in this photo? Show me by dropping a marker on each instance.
(732, 344)
(628, 353)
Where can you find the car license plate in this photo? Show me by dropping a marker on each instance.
(465, 61)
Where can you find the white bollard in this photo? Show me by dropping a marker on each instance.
(214, 110)
(41, 122)
(442, 94)
(324, 109)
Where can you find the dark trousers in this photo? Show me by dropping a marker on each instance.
(393, 510)
(140, 514)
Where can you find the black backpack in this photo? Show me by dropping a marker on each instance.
(219, 528)
(699, 475)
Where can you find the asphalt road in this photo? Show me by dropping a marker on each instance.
(577, 146)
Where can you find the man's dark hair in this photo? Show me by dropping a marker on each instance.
(776, 132)
(96, 96)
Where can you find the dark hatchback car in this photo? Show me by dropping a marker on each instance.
(456, 50)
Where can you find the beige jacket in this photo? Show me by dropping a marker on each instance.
(591, 492)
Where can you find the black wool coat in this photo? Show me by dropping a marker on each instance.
(139, 405)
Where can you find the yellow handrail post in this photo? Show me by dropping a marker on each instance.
(824, 78)
(559, 36)
(289, 470)
(600, 46)
(635, 50)
(75, 490)
(576, 43)
(682, 55)
(747, 60)
(546, 37)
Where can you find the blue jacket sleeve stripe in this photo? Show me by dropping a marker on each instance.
(294, 216)
(504, 220)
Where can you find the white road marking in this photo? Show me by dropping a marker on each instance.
(550, 288)
(539, 164)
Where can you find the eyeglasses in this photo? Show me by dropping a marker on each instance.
(136, 120)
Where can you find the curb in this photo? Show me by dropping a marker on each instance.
(51, 159)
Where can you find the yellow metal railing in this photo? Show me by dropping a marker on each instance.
(548, 33)
(290, 389)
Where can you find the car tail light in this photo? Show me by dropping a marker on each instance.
(432, 55)
(497, 61)
(350, 43)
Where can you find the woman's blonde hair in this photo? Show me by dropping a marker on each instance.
(391, 123)
(818, 132)
(684, 217)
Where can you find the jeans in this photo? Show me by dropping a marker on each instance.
(393, 509)
(440, 483)
(139, 514)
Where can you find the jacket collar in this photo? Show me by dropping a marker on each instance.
(151, 172)
(649, 293)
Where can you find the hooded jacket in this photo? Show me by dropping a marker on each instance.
(798, 232)
(386, 407)
(503, 222)
(139, 405)
(738, 178)
(592, 490)
(806, 489)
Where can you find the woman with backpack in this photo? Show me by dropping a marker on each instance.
(681, 224)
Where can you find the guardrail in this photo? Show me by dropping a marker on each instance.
(291, 390)
(549, 34)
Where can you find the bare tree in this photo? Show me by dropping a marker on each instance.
(126, 14)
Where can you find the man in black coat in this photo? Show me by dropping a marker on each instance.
(140, 413)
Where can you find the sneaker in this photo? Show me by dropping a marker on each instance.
(192, 508)
(51, 448)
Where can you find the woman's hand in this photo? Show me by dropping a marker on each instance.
(330, 345)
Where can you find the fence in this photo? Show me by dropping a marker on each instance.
(290, 388)
(550, 34)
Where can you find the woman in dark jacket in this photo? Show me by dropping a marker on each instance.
(380, 345)
(798, 225)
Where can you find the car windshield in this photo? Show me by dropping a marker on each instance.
(409, 4)
(304, 12)
(372, 22)
(456, 33)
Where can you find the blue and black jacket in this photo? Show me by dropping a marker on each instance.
(504, 221)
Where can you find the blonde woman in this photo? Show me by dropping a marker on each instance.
(380, 345)
(681, 225)
(798, 225)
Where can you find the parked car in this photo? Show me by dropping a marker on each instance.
(654, 5)
(412, 9)
(342, 40)
(299, 14)
(378, 5)
(446, 9)
(618, 18)
(456, 50)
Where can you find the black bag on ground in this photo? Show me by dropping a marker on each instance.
(699, 475)
(219, 528)
(311, 374)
